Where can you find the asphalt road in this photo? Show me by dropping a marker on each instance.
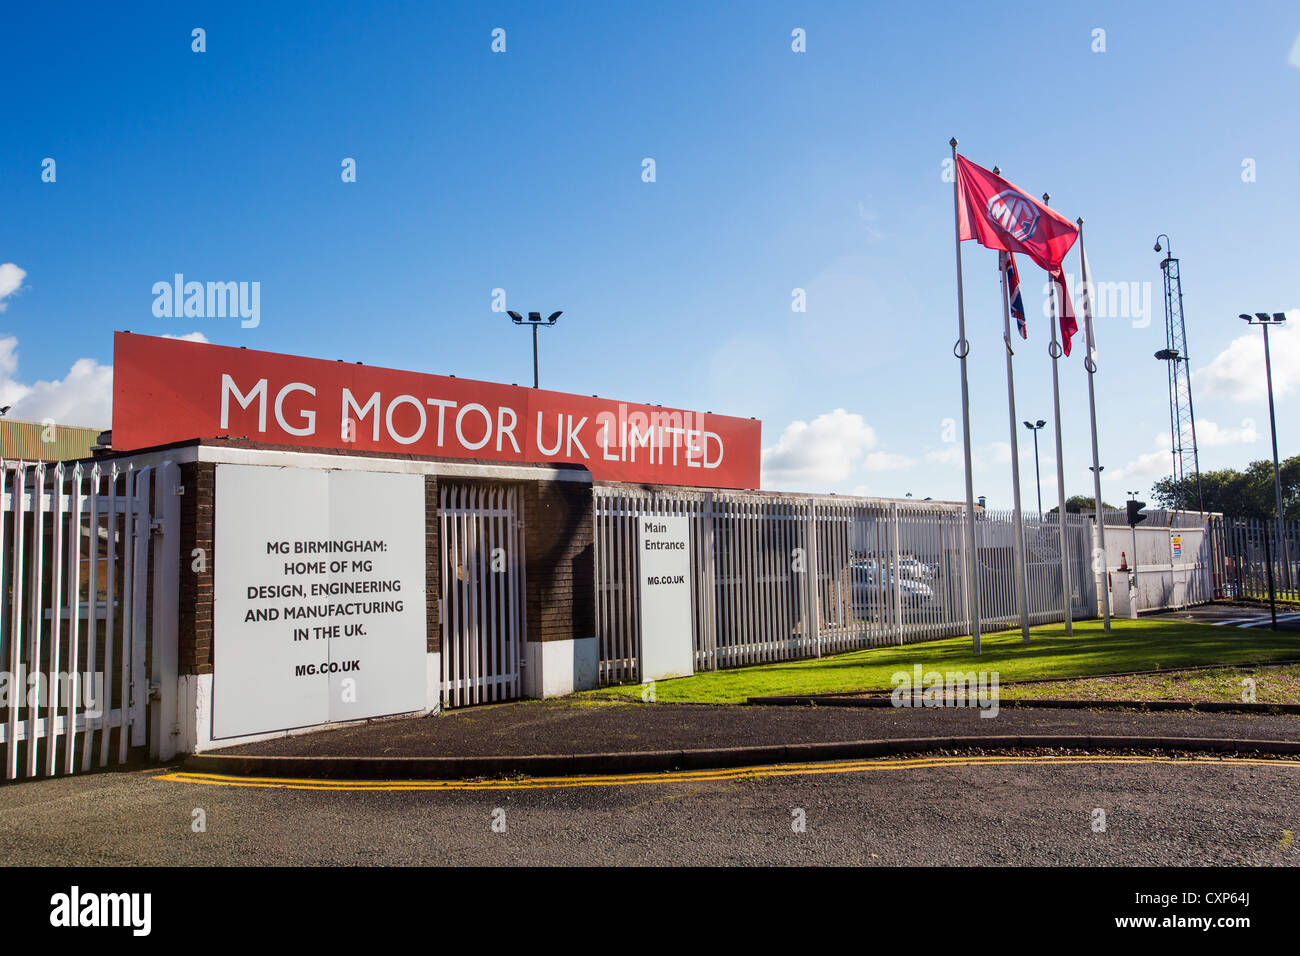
(1217, 813)
(1233, 615)
(565, 726)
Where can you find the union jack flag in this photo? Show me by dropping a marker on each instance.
(1007, 262)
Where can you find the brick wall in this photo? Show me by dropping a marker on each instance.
(195, 625)
(558, 529)
(432, 566)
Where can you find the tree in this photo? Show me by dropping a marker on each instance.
(1079, 504)
(1247, 494)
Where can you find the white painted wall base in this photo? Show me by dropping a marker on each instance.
(433, 682)
(556, 668)
(195, 695)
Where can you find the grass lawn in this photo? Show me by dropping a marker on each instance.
(1273, 685)
(1131, 646)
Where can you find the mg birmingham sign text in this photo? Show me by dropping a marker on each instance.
(165, 390)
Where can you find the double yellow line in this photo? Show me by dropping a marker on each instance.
(698, 776)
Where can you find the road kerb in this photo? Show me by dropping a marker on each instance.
(648, 761)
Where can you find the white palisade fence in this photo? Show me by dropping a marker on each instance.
(88, 592)
(781, 576)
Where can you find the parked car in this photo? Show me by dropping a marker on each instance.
(869, 586)
(917, 570)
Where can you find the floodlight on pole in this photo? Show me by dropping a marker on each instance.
(536, 321)
(1264, 320)
(1038, 478)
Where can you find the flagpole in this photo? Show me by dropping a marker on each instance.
(1022, 573)
(1090, 364)
(961, 349)
(1054, 350)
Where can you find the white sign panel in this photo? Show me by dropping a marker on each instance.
(318, 598)
(667, 647)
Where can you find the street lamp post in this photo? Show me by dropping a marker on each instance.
(1038, 478)
(536, 321)
(1264, 320)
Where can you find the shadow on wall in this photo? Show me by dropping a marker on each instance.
(563, 568)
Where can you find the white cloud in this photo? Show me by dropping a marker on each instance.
(1159, 462)
(11, 279)
(1238, 371)
(82, 397)
(10, 390)
(869, 218)
(1149, 466)
(1209, 434)
(811, 455)
(888, 461)
(998, 453)
(949, 455)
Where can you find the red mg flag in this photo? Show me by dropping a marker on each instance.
(999, 215)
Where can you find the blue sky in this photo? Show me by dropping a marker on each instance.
(774, 171)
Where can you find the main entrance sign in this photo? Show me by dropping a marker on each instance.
(667, 645)
(165, 390)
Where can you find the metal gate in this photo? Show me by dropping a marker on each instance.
(88, 599)
(1246, 549)
(482, 593)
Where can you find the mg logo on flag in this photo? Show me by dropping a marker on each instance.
(1011, 211)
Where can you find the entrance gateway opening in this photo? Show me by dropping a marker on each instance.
(481, 538)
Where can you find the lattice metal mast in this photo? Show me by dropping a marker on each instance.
(1182, 418)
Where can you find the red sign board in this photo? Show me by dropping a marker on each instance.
(166, 390)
